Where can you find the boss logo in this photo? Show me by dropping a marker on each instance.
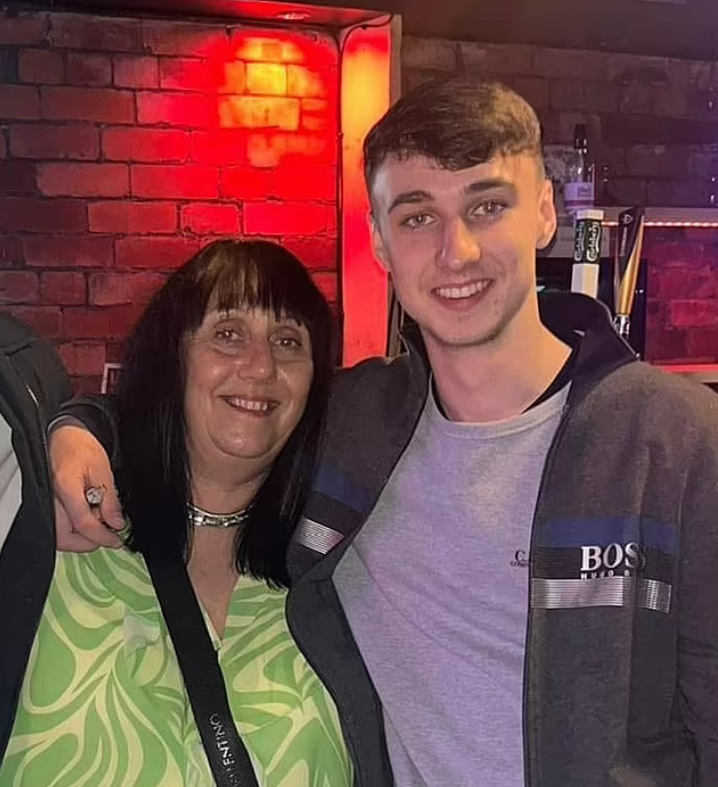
(612, 560)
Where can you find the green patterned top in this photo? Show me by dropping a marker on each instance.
(103, 703)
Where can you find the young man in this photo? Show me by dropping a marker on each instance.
(33, 384)
(513, 530)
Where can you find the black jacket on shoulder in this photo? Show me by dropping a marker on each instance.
(33, 384)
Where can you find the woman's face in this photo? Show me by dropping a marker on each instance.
(248, 379)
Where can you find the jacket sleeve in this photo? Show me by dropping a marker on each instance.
(98, 414)
(698, 633)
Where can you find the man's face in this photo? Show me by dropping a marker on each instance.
(461, 245)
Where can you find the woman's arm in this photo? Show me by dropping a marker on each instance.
(82, 440)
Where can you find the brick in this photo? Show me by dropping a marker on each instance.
(128, 218)
(145, 144)
(290, 149)
(641, 99)
(704, 161)
(676, 254)
(158, 253)
(628, 191)
(680, 193)
(86, 385)
(428, 53)
(177, 109)
(600, 96)
(63, 288)
(317, 115)
(23, 29)
(11, 251)
(233, 78)
(306, 183)
(305, 82)
(83, 180)
(259, 112)
(222, 147)
(676, 283)
(41, 66)
(18, 287)
(136, 72)
(183, 38)
(533, 89)
(317, 253)
(265, 47)
(113, 289)
(82, 31)
(178, 182)
(703, 343)
(46, 320)
(88, 70)
(266, 79)
(18, 177)
(107, 322)
(28, 214)
(658, 161)
(566, 94)
(72, 252)
(288, 218)
(83, 359)
(494, 60)
(327, 283)
(3, 144)
(90, 104)
(569, 64)
(694, 313)
(190, 74)
(659, 130)
(54, 142)
(665, 344)
(210, 219)
(19, 102)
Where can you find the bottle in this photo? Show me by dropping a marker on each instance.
(579, 188)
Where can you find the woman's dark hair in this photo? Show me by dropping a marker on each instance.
(153, 476)
(456, 122)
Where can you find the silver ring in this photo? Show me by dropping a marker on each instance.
(95, 495)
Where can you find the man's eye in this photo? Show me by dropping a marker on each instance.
(418, 221)
(490, 208)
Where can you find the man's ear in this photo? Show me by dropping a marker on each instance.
(378, 243)
(547, 216)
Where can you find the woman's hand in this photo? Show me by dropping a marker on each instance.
(79, 462)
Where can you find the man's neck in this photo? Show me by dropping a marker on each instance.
(498, 380)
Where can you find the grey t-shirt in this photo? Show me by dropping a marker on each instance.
(435, 588)
(10, 481)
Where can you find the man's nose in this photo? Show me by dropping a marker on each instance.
(460, 246)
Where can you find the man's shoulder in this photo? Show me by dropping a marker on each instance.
(664, 396)
(371, 375)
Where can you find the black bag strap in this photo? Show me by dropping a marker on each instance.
(203, 679)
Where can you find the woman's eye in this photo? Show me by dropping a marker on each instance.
(418, 221)
(288, 342)
(226, 334)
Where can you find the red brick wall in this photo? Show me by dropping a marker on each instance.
(653, 126)
(126, 144)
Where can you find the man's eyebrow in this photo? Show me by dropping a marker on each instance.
(410, 198)
(488, 184)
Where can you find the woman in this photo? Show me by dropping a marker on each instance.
(222, 397)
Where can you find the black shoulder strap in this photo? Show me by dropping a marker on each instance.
(203, 678)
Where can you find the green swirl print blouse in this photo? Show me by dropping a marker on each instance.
(103, 703)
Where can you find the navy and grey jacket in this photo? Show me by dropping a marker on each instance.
(33, 384)
(621, 668)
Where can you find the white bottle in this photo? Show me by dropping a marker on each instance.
(579, 187)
